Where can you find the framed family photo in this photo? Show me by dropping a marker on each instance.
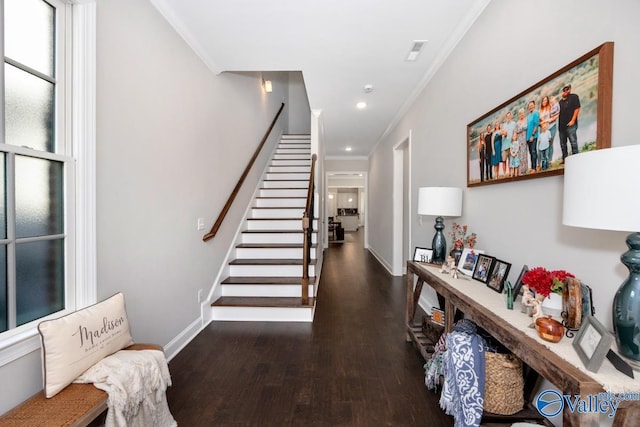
(499, 273)
(468, 259)
(482, 271)
(422, 255)
(530, 135)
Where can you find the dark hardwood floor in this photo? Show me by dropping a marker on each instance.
(351, 367)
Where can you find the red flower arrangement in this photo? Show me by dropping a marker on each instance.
(460, 238)
(544, 282)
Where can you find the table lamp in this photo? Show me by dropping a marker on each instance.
(439, 202)
(601, 192)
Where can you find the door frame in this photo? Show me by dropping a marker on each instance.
(402, 207)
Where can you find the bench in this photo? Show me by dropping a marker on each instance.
(75, 405)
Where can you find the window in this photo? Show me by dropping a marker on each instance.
(44, 219)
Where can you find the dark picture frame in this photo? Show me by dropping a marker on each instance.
(518, 285)
(482, 272)
(590, 77)
(423, 255)
(499, 273)
(592, 343)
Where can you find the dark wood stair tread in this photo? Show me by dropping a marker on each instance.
(276, 231)
(276, 302)
(277, 219)
(272, 245)
(261, 280)
(269, 261)
(279, 197)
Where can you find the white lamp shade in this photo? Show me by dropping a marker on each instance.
(601, 189)
(440, 201)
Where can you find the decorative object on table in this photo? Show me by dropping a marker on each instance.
(422, 255)
(549, 284)
(549, 329)
(518, 285)
(499, 273)
(587, 302)
(588, 81)
(482, 272)
(608, 200)
(620, 364)
(509, 289)
(439, 202)
(592, 343)
(572, 305)
(461, 239)
(527, 300)
(536, 308)
(468, 259)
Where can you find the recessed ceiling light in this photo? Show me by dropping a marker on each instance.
(360, 105)
(348, 149)
(368, 88)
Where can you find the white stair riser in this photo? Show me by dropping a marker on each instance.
(286, 184)
(288, 175)
(264, 290)
(278, 224)
(300, 136)
(286, 203)
(275, 238)
(277, 213)
(292, 154)
(296, 169)
(271, 253)
(290, 162)
(283, 192)
(263, 314)
(269, 270)
(284, 152)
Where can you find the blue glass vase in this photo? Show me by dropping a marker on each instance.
(626, 303)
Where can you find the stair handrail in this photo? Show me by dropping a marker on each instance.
(307, 231)
(236, 190)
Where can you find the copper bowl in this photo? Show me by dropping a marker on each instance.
(549, 329)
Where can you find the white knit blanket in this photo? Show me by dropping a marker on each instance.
(136, 381)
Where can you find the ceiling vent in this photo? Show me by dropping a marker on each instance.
(415, 49)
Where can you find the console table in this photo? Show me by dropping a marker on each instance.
(554, 361)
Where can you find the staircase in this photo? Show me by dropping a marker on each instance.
(264, 282)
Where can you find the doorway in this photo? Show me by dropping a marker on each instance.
(401, 205)
(346, 203)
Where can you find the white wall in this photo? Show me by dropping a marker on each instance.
(172, 140)
(300, 112)
(512, 46)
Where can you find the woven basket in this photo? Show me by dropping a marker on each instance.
(504, 384)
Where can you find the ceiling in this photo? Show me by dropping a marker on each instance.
(339, 46)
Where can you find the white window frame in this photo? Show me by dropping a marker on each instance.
(80, 133)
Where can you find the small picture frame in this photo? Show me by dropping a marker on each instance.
(482, 271)
(592, 343)
(499, 273)
(437, 316)
(468, 259)
(423, 255)
(518, 285)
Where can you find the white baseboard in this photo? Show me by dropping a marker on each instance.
(381, 261)
(183, 338)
